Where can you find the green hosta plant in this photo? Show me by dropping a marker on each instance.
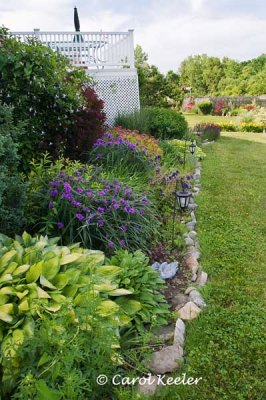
(147, 304)
(38, 277)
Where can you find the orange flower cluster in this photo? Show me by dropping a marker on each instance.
(144, 142)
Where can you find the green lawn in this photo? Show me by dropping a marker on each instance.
(226, 346)
(194, 119)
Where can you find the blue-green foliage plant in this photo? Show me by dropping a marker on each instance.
(147, 286)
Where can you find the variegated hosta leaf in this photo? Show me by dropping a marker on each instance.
(5, 317)
(51, 267)
(10, 268)
(120, 292)
(23, 306)
(7, 257)
(109, 271)
(69, 258)
(107, 307)
(105, 288)
(61, 280)
(21, 269)
(34, 272)
(7, 308)
(44, 282)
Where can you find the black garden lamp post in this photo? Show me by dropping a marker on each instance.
(192, 147)
(183, 198)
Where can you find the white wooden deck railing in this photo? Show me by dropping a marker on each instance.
(88, 49)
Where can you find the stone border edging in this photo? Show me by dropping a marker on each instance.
(169, 358)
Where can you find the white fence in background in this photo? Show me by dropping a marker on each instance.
(88, 49)
(107, 56)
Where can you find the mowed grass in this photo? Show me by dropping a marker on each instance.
(193, 119)
(226, 345)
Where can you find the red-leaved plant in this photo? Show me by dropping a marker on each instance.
(88, 126)
(219, 107)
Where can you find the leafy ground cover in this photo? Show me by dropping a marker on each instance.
(226, 345)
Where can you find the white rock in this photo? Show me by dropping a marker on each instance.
(166, 270)
(192, 214)
(197, 298)
(166, 360)
(203, 278)
(192, 235)
(194, 277)
(189, 289)
(192, 206)
(179, 336)
(191, 225)
(189, 241)
(189, 311)
(192, 251)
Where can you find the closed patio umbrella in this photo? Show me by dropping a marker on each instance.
(77, 26)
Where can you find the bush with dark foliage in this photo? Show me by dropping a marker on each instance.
(88, 126)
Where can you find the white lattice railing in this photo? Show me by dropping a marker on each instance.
(88, 49)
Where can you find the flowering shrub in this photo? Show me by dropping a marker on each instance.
(189, 104)
(208, 131)
(144, 142)
(249, 107)
(242, 127)
(219, 107)
(126, 150)
(99, 213)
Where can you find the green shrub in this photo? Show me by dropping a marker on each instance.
(39, 278)
(44, 90)
(205, 107)
(167, 124)
(62, 360)
(12, 189)
(145, 283)
(161, 123)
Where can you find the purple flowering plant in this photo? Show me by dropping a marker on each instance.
(99, 213)
(116, 149)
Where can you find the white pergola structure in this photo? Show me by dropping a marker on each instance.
(107, 56)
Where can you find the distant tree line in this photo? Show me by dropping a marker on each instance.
(207, 76)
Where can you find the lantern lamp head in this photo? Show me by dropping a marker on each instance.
(192, 147)
(183, 198)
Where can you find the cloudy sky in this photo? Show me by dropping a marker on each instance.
(168, 31)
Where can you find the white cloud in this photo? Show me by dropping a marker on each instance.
(169, 42)
(167, 32)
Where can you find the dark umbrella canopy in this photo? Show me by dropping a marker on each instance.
(77, 38)
(76, 20)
